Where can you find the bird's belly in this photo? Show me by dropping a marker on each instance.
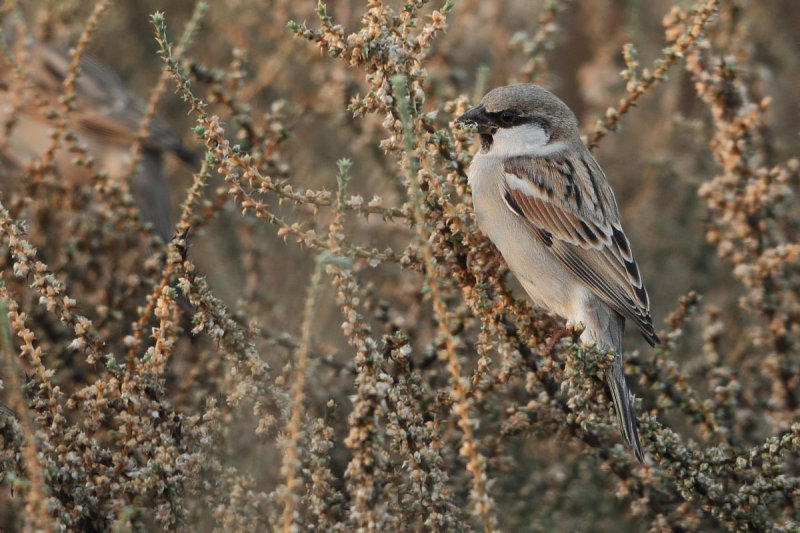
(546, 280)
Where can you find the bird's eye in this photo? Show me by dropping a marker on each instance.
(507, 118)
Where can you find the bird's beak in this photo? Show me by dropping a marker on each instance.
(478, 119)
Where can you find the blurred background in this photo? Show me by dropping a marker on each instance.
(285, 101)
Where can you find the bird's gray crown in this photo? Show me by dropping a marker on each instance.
(530, 101)
(523, 103)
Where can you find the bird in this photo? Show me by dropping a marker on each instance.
(105, 118)
(543, 200)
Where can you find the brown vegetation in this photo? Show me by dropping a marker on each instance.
(328, 342)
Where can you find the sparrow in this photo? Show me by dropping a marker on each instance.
(105, 119)
(546, 204)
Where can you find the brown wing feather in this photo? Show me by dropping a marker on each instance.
(572, 202)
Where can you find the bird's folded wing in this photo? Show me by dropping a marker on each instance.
(570, 205)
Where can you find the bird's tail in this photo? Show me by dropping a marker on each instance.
(622, 404)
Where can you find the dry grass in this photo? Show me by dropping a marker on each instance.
(328, 343)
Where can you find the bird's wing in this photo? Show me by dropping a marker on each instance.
(568, 202)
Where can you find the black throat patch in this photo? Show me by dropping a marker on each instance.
(486, 142)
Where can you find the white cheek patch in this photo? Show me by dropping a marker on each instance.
(525, 139)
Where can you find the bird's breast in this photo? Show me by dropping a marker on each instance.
(548, 283)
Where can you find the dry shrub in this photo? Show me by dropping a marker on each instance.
(356, 356)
